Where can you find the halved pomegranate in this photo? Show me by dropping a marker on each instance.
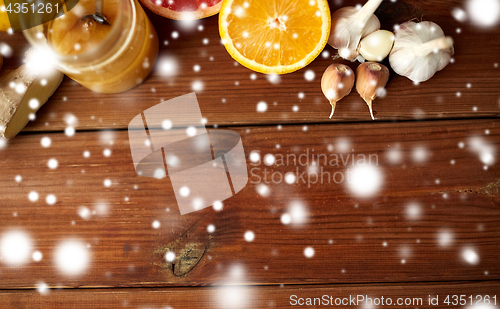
(184, 9)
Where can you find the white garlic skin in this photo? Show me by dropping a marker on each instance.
(376, 46)
(350, 25)
(411, 57)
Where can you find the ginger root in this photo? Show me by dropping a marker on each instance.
(22, 92)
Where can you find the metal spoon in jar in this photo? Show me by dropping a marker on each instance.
(98, 16)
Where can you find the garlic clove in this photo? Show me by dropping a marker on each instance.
(350, 25)
(420, 50)
(337, 83)
(371, 79)
(376, 46)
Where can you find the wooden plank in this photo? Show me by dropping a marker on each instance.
(230, 95)
(416, 295)
(433, 192)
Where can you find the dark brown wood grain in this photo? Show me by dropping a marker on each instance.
(230, 96)
(449, 187)
(417, 295)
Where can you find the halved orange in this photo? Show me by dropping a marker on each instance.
(274, 36)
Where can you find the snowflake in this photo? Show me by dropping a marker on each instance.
(261, 107)
(249, 236)
(309, 252)
(72, 257)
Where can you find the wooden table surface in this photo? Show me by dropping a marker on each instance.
(433, 228)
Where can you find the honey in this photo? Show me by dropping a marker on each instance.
(104, 58)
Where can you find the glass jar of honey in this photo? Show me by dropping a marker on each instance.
(106, 58)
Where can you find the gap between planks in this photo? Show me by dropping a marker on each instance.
(262, 125)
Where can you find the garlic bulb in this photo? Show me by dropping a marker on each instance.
(337, 83)
(371, 79)
(350, 25)
(420, 50)
(376, 46)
